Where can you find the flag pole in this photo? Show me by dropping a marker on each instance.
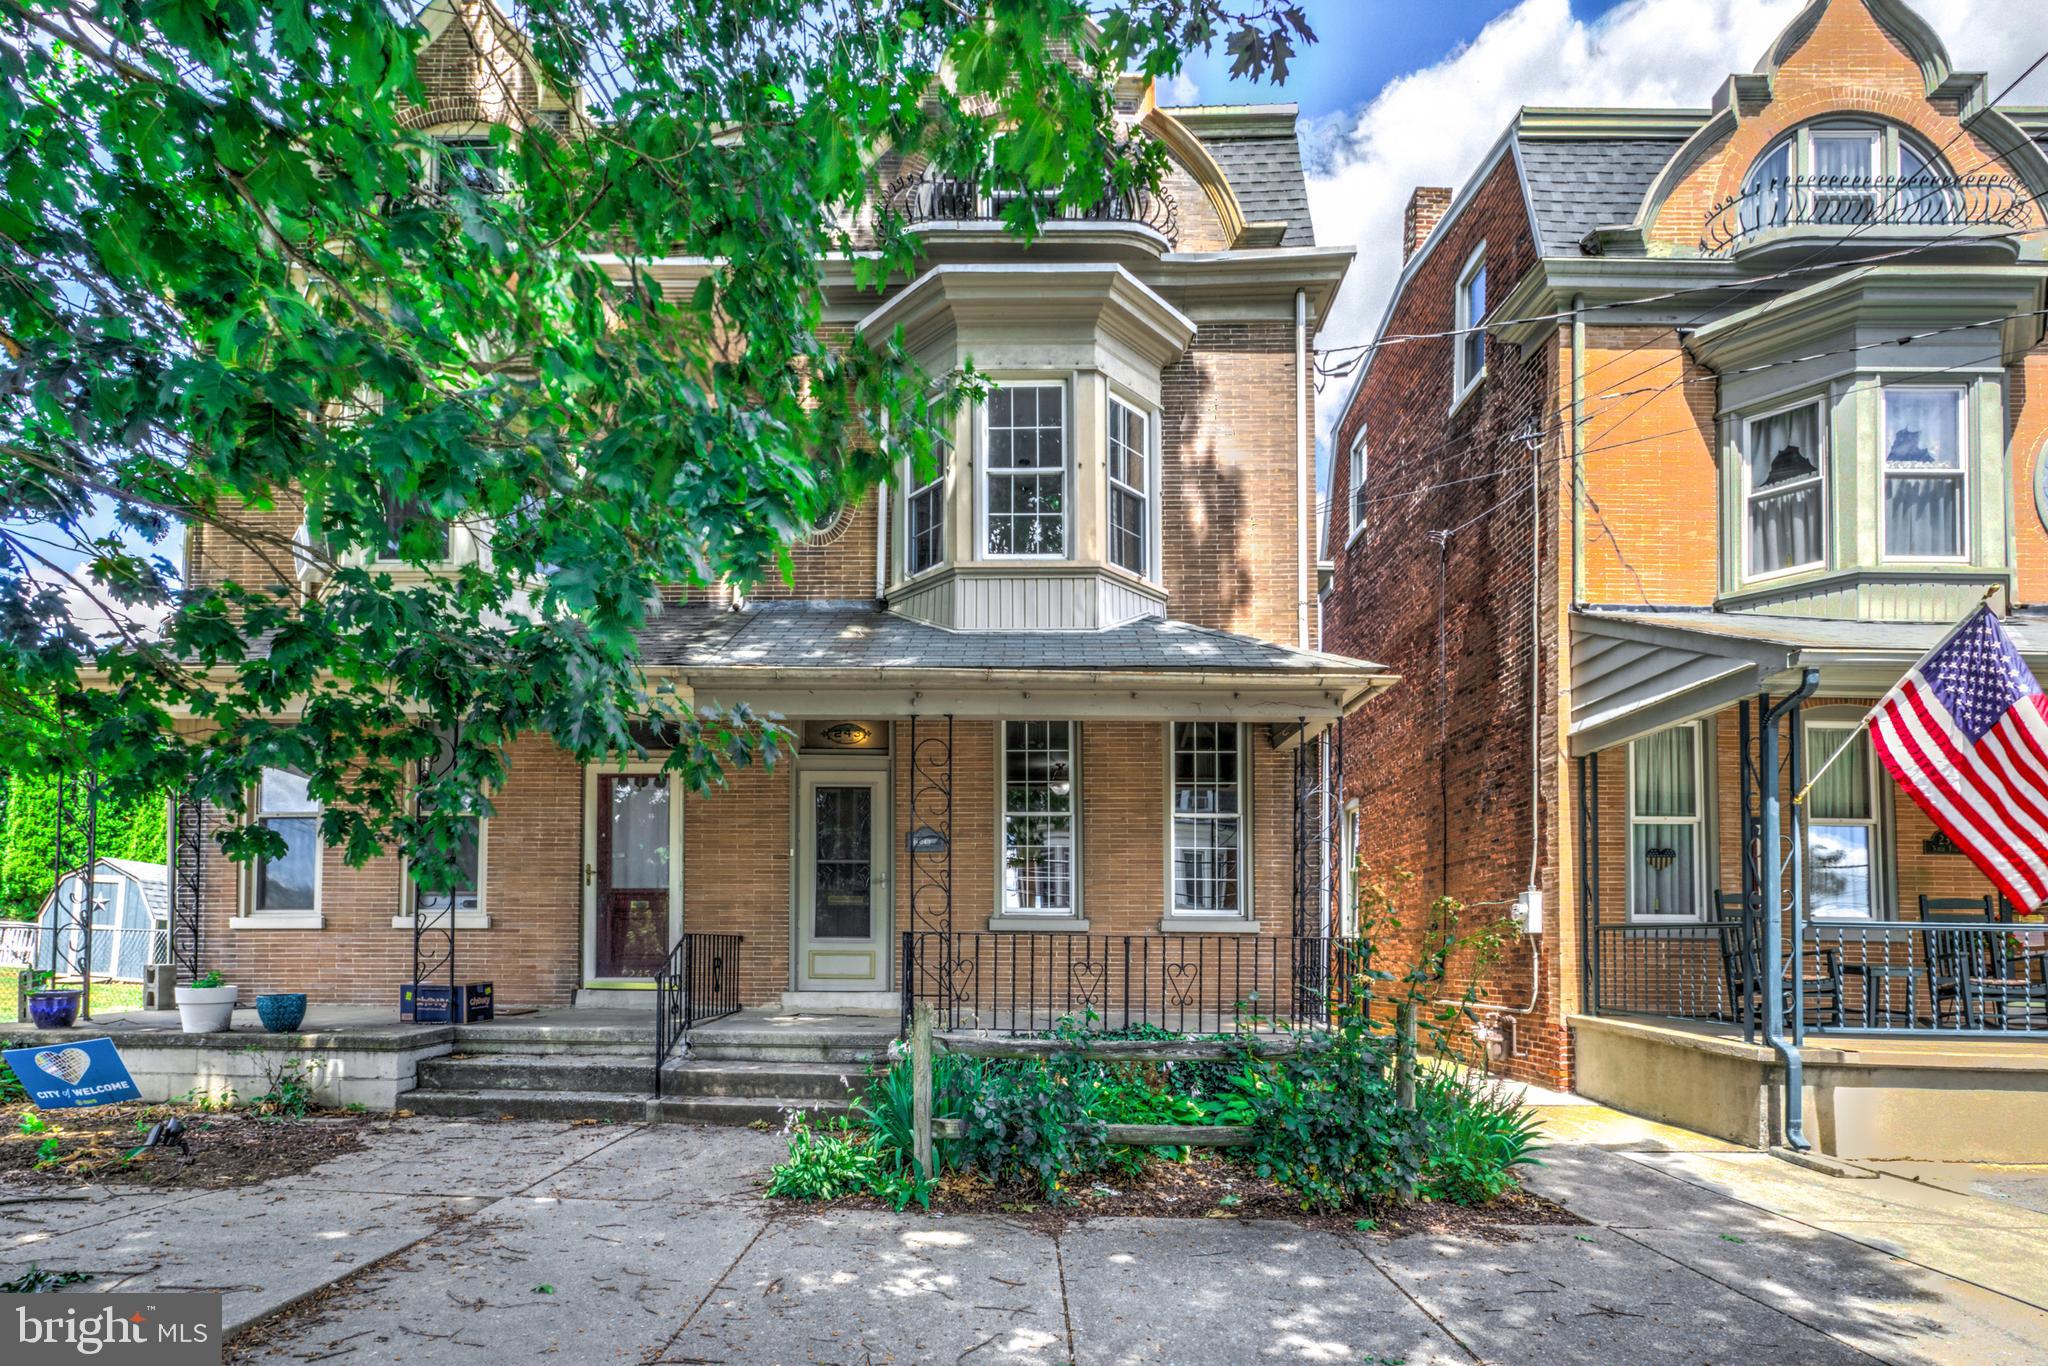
(1864, 724)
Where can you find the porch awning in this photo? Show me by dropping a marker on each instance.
(1637, 671)
(799, 657)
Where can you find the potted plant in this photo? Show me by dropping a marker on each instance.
(206, 1006)
(282, 1012)
(51, 1006)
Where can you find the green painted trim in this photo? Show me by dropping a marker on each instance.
(1583, 122)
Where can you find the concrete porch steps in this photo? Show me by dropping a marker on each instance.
(550, 1072)
(625, 1109)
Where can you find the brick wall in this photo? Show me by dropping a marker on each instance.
(1230, 512)
(1441, 763)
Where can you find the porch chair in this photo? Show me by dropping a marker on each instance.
(1984, 974)
(1741, 930)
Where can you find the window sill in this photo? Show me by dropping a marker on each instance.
(278, 920)
(1207, 924)
(464, 920)
(1356, 535)
(1464, 395)
(1059, 924)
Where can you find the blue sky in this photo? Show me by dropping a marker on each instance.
(1361, 45)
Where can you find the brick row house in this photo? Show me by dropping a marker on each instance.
(1687, 432)
(1053, 710)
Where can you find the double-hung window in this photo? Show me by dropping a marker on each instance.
(1025, 499)
(1845, 184)
(1039, 829)
(1925, 480)
(1208, 818)
(1360, 457)
(473, 161)
(1841, 823)
(1347, 913)
(1782, 465)
(458, 887)
(1130, 463)
(1666, 826)
(924, 514)
(410, 532)
(289, 882)
(1471, 313)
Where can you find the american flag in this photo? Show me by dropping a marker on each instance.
(1966, 733)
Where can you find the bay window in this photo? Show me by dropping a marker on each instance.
(289, 882)
(1666, 826)
(1038, 818)
(1130, 465)
(1841, 816)
(1925, 483)
(1782, 467)
(924, 515)
(1208, 819)
(1025, 492)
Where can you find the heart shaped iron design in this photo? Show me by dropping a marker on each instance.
(1087, 975)
(66, 1064)
(1180, 983)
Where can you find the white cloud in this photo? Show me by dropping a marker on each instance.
(1432, 126)
(89, 612)
(1179, 89)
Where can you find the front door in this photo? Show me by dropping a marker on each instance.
(842, 882)
(632, 921)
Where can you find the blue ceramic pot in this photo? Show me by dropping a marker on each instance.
(53, 1009)
(282, 1013)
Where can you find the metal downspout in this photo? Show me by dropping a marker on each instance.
(1305, 459)
(1773, 983)
(1578, 448)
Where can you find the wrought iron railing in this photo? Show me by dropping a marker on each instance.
(1907, 977)
(698, 983)
(948, 199)
(1025, 982)
(1935, 201)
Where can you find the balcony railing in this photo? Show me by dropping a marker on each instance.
(1852, 202)
(945, 199)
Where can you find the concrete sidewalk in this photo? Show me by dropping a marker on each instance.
(454, 1241)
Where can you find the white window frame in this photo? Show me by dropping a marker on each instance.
(1350, 840)
(938, 482)
(1356, 504)
(295, 918)
(1147, 501)
(1068, 917)
(1746, 427)
(1702, 800)
(1464, 378)
(1178, 916)
(987, 471)
(1880, 861)
(1965, 449)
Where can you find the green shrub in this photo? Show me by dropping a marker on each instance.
(885, 1110)
(1326, 1124)
(1028, 1124)
(822, 1166)
(1139, 1093)
(1480, 1132)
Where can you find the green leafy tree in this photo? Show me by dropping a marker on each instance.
(234, 282)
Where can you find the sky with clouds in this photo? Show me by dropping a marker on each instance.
(1398, 94)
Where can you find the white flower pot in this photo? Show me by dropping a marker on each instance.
(205, 1010)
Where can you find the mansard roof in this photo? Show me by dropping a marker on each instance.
(1259, 151)
(1589, 169)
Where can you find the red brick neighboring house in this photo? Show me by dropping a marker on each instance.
(1055, 717)
(1669, 408)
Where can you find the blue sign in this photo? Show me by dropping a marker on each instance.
(72, 1076)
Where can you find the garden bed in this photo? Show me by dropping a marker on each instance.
(227, 1149)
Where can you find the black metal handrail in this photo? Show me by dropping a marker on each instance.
(950, 199)
(1828, 201)
(698, 983)
(1689, 970)
(1025, 982)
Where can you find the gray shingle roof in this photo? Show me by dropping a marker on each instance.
(845, 635)
(1577, 185)
(1260, 154)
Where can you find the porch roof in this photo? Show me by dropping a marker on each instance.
(857, 645)
(1637, 671)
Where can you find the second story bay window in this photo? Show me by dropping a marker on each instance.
(924, 514)
(1782, 459)
(1130, 482)
(1025, 502)
(1926, 482)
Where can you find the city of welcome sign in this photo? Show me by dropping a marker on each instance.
(73, 1076)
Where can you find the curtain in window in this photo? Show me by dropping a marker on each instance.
(1842, 827)
(1844, 167)
(1923, 462)
(1785, 490)
(1664, 856)
(1766, 198)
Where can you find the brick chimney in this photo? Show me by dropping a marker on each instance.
(1426, 208)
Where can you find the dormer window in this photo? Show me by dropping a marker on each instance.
(473, 161)
(1025, 508)
(1470, 363)
(1783, 459)
(1925, 478)
(1847, 174)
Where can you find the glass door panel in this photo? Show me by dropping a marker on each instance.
(633, 822)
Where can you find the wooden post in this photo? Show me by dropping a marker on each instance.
(921, 1086)
(1404, 1055)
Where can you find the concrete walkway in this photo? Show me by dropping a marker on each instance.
(456, 1241)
